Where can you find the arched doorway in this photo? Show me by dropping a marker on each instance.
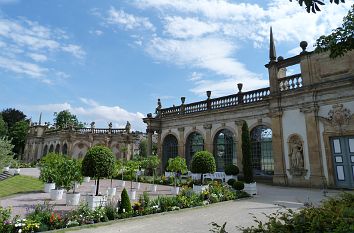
(65, 149)
(45, 150)
(51, 148)
(57, 149)
(224, 152)
(194, 143)
(261, 150)
(169, 149)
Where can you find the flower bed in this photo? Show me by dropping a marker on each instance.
(43, 218)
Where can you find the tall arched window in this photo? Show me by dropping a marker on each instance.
(65, 149)
(261, 150)
(57, 149)
(45, 150)
(195, 143)
(51, 148)
(223, 149)
(169, 149)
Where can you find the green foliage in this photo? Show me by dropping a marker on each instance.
(11, 116)
(131, 166)
(49, 167)
(246, 154)
(65, 119)
(231, 182)
(5, 220)
(231, 169)
(341, 40)
(143, 148)
(216, 228)
(3, 127)
(314, 5)
(177, 164)
(238, 185)
(6, 154)
(334, 215)
(18, 133)
(203, 162)
(125, 206)
(71, 170)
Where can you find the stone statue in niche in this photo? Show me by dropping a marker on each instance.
(296, 153)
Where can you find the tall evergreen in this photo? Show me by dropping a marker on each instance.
(125, 203)
(246, 154)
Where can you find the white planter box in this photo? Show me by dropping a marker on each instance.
(87, 179)
(93, 189)
(169, 174)
(199, 188)
(175, 190)
(132, 194)
(72, 199)
(56, 194)
(17, 171)
(6, 169)
(111, 192)
(153, 188)
(138, 186)
(48, 187)
(96, 201)
(122, 183)
(251, 188)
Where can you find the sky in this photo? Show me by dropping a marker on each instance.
(110, 60)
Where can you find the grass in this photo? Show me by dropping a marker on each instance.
(19, 184)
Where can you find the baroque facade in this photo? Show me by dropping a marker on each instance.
(301, 126)
(42, 140)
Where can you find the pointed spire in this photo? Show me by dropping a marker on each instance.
(40, 119)
(272, 53)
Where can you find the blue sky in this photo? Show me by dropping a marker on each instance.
(109, 61)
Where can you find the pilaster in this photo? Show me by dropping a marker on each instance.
(208, 144)
(238, 144)
(181, 142)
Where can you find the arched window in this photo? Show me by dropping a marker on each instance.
(65, 149)
(57, 149)
(51, 148)
(195, 143)
(261, 150)
(223, 149)
(169, 149)
(45, 150)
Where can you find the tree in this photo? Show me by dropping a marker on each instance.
(11, 116)
(18, 134)
(65, 119)
(177, 165)
(143, 148)
(341, 40)
(313, 5)
(6, 154)
(3, 127)
(98, 162)
(203, 162)
(246, 154)
(125, 206)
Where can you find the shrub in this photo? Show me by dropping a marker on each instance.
(203, 162)
(99, 162)
(246, 154)
(231, 170)
(72, 170)
(238, 185)
(231, 182)
(125, 205)
(49, 165)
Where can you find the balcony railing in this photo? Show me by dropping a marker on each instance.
(217, 103)
(290, 82)
(89, 130)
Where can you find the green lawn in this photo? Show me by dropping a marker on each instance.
(19, 184)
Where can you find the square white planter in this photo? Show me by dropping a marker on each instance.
(96, 201)
(251, 188)
(56, 194)
(199, 188)
(153, 188)
(72, 199)
(111, 192)
(132, 194)
(87, 179)
(48, 187)
(175, 190)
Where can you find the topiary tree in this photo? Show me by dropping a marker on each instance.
(125, 205)
(203, 162)
(152, 162)
(177, 164)
(246, 155)
(238, 185)
(231, 170)
(98, 162)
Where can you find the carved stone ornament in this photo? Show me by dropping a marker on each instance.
(339, 115)
(296, 156)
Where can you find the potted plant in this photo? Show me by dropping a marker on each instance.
(153, 162)
(122, 169)
(177, 165)
(72, 171)
(202, 162)
(48, 170)
(111, 192)
(99, 163)
(132, 166)
(231, 172)
(15, 165)
(250, 184)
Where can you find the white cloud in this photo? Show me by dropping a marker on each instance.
(96, 32)
(75, 50)
(38, 57)
(26, 68)
(195, 76)
(128, 21)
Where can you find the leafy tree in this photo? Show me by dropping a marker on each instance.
(152, 162)
(203, 162)
(143, 148)
(177, 165)
(6, 154)
(11, 116)
(246, 154)
(132, 166)
(3, 127)
(154, 148)
(125, 206)
(314, 5)
(98, 162)
(49, 167)
(64, 119)
(18, 134)
(341, 40)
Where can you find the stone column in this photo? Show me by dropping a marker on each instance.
(316, 168)
(273, 77)
(208, 144)
(149, 141)
(238, 143)
(181, 142)
(279, 176)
